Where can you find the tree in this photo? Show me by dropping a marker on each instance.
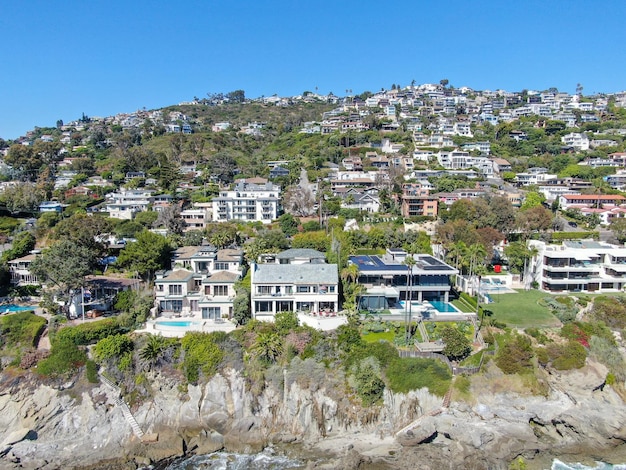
(457, 345)
(22, 197)
(288, 224)
(618, 227)
(22, 244)
(84, 230)
(299, 201)
(65, 264)
(148, 254)
(536, 219)
(170, 219)
(268, 346)
(533, 199)
(222, 235)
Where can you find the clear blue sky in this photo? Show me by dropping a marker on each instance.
(102, 57)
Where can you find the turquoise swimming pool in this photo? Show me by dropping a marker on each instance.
(443, 307)
(177, 323)
(12, 308)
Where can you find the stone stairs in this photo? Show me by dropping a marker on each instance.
(130, 419)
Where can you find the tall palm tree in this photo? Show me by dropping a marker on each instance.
(409, 261)
(350, 273)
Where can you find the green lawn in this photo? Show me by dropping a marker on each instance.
(522, 309)
(375, 337)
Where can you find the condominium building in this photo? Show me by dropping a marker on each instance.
(579, 266)
(248, 201)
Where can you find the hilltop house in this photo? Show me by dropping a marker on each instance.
(311, 287)
(386, 279)
(201, 284)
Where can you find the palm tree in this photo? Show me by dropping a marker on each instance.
(268, 346)
(476, 253)
(153, 348)
(409, 262)
(350, 273)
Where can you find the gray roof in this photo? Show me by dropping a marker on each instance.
(296, 274)
(300, 253)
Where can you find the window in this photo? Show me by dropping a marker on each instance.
(207, 290)
(171, 305)
(211, 312)
(302, 289)
(220, 266)
(220, 290)
(263, 306)
(175, 289)
(264, 290)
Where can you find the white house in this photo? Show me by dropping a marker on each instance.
(312, 288)
(249, 201)
(576, 140)
(579, 266)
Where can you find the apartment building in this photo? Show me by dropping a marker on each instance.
(579, 266)
(253, 200)
(416, 201)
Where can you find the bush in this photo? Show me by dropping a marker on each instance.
(88, 333)
(515, 355)
(65, 358)
(366, 381)
(606, 352)
(405, 374)
(201, 355)
(112, 346)
(22, 329)
(567, 356)
(91, 370)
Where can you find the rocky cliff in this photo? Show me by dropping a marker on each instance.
(73, 426)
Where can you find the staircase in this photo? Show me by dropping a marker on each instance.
(130, 419)
(423, 332)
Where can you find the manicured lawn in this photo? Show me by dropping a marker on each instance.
(375, 337)
(522, 309)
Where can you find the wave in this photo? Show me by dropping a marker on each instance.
(231, 461)
(558, 465)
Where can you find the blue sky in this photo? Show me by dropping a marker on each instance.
(103, 57)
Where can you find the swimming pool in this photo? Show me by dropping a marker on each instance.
(443, 307)
(177, 323)
(12, 308)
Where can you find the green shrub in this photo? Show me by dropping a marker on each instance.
(462, 384)
(112, 346)
(88, 333)
(606, 352)
(21, 329)
(91, 370)
(367, 382)
(538, 335)
(65, 358)
(405, 374)
(567, 356)
(201, 355)
(515, 355)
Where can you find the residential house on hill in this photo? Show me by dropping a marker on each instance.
(386, 279)
(309, 287)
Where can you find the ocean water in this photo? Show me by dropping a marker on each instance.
(266, 460)
(558, 465)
